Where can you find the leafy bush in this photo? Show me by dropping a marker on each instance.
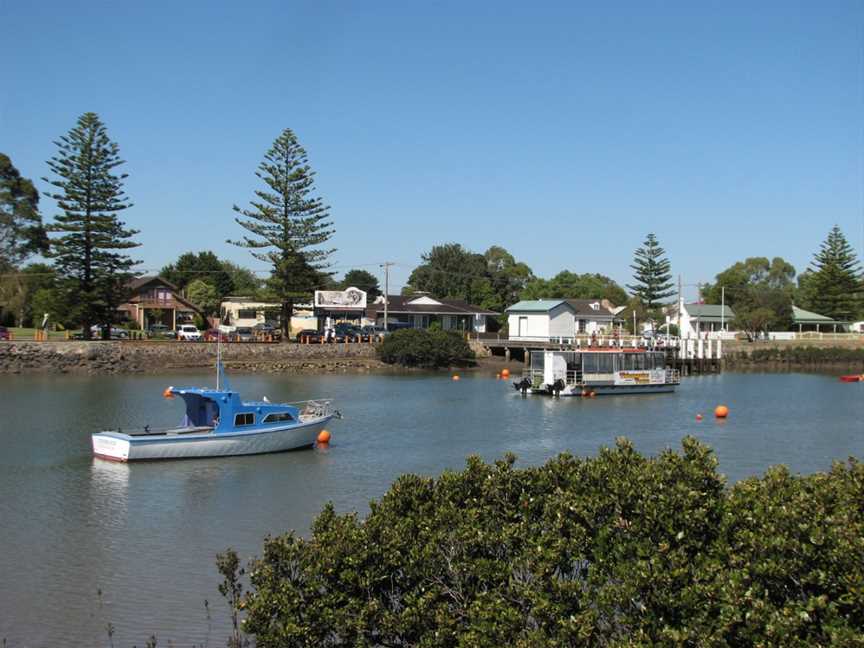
(425, 348)
(614, 550)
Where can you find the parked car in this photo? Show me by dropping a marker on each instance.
(215, 335)
(160, 331)
(374, 331)
(267, 329)
(310, 335)
(116, 333)
(243, 334)
(350, 332)
(4, 333)
(189, 332)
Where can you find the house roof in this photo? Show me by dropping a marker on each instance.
(135, 285)
(801, 316)
(427, 305)
(535, 305)
(586, 307)
(710, 312)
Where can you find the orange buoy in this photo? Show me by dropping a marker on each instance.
(592, 394)
(167, 393)
(505, 372)
(721, 411)
(698, 417)
(455, 376)
(585, 392)
(323, 437)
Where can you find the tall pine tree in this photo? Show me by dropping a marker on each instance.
(834, 283)
(89, 253)
(653, 279)
(287, 224)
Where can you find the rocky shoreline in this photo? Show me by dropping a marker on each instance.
(128, 357)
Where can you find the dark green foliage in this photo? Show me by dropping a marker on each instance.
(570, 285)
(204, 266)
(425, 348)
(759, 291)
(287, 224)
(652, 275)
(89, 253)
(363, 280)
(21, 230)
(617, 550)
(834, 288)
(491, 280)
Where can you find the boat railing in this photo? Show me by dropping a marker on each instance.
(317, 408)
(673, 376)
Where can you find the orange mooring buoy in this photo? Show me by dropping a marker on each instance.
(167, 393)
(698, 417)
(721, 411)
(323, 437)
(505, 372)
(455, 376)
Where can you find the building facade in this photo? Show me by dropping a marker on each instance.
(153, 300)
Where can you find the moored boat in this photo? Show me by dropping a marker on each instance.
(218, 423)
(597, 371)
(853, 378)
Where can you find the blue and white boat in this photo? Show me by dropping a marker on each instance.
(218, 423)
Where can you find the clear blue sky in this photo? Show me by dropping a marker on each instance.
(562, 131)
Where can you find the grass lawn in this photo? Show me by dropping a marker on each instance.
(19, 333)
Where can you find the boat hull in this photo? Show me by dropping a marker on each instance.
(116, 446)
(605, 390)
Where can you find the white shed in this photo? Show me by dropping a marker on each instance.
(541, 319)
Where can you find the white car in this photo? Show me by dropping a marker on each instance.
(188, 332)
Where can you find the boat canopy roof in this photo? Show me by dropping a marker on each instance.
(225, 411)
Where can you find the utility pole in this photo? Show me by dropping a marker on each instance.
(386, 265)
(679, 306)
(722, 306)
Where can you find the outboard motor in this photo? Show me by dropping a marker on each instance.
(522, 386)
(557, 387)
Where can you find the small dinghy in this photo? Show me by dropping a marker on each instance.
(218, 423)
(852, 378)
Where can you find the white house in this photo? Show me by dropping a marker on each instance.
(420, 311)
(701, 320)
(542, 319)
(247, 312)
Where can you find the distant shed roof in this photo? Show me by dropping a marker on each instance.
(801, 316)
(710, 312)
(535, 305)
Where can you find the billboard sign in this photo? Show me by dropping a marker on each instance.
(348, 299)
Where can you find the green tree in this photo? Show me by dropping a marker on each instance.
(450, 270)
(613, 550)
(89, 253)
(204, 296)
(21, 231)
(570, 285)
(429, 348)
(363, 280)
(652, 275)
(243, 281)
(834, 289)
(204, 266)
(758, 290)
(287, 224)
(507, 277)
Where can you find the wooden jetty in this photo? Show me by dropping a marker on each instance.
(689, 356)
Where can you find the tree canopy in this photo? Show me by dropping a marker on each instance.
(287, 224)
(758, 290)
(21, 231)
(491, 280)
(362, 279)
(204, 266)
(652, 274)
(618, 549)
(89, 250)
(570, 285)
(834, 285)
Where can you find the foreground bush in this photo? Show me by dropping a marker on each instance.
(614, 550)
(425, 348)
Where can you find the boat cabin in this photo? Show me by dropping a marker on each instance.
(599, 367)
(224, 411)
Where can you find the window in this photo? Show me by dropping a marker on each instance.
(247, 418)
(275, 417)
(247, 313)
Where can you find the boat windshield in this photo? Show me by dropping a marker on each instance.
(200, 411)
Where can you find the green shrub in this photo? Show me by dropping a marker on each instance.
(425, 348)
(614, 550)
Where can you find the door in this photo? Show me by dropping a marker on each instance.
(523, 327)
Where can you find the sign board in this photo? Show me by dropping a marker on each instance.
(348, 299)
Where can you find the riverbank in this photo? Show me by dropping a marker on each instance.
(158, 357)
(792, 355)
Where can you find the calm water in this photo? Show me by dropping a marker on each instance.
(146, 535)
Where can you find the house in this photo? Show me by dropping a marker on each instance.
(421, 311)
(153, 300)
(238, 312)
(542, 319)
(806, 320)
(699, 320)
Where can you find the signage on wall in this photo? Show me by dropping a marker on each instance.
(348, 299)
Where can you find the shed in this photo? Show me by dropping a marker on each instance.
(541, 319)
